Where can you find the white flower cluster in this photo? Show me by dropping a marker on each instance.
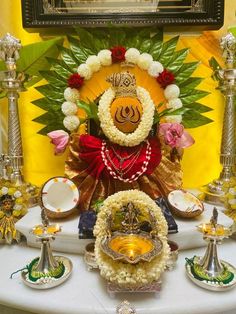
(125, 274)
(172, 93)
(5, 190)
(69, 108)
(112, 132)
(94, 63)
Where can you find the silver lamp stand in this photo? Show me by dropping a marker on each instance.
(11, 83)
(227, 85)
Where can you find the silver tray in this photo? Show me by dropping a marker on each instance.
(55, 282)
(210, 285)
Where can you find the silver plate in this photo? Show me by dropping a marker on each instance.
(40, 285)
(210, 285)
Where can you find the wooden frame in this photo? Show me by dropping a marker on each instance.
(64, 13)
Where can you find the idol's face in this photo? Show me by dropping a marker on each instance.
(126, 113)
(7, 205)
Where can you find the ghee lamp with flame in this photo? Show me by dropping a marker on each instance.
(46, 271)
(209, 271)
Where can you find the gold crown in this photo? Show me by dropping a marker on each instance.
(124, 84)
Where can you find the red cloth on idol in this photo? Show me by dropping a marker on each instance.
(90, 153)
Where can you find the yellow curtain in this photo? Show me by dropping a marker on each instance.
(200, 162)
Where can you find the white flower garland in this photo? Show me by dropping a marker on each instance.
(125, 274)
(112, 132)
(132, 55)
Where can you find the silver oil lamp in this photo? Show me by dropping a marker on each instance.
(209, 271)
(46, 271)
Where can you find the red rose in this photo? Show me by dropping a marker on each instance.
(75, 81)
(118, 53)
(165, 78)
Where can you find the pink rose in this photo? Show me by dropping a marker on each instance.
(60, 139)
(175, 136)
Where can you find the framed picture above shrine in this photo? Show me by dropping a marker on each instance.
(204, 14)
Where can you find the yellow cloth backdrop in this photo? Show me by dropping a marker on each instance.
(200, 162)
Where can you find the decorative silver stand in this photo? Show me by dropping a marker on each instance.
(227, 85)
(11, 83)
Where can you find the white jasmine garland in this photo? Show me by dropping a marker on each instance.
(112, 132)
(155, 69)
(17, 194)
(125, 274)
(132, 55)
(171, 91)
(174, 119)
(69, 108)
(4, 190)
(174, 103)
(144, 61)
(71, 94)
(94, 63)
(84, 71)
(104, 57)
(71, 123)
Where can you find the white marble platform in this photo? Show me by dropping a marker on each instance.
(67, 240)
(85, 292)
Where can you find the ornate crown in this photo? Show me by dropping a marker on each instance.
(124, 84)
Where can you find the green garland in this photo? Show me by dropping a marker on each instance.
(147, 40)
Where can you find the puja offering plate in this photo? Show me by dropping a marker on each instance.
(225, 281)
(59, 197)
(132, 248)
(185, 204)
(49, 282)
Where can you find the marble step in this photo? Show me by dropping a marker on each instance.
(68, 241)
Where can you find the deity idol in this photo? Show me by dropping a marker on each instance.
(125, 151)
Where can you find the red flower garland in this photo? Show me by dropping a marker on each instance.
(165, 78)
(118, 53)
(75, 81)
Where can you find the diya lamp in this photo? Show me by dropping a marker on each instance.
(209, 271)
(46, 271)
(130, 244)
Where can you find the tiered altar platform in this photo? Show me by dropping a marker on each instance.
(68, 240)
